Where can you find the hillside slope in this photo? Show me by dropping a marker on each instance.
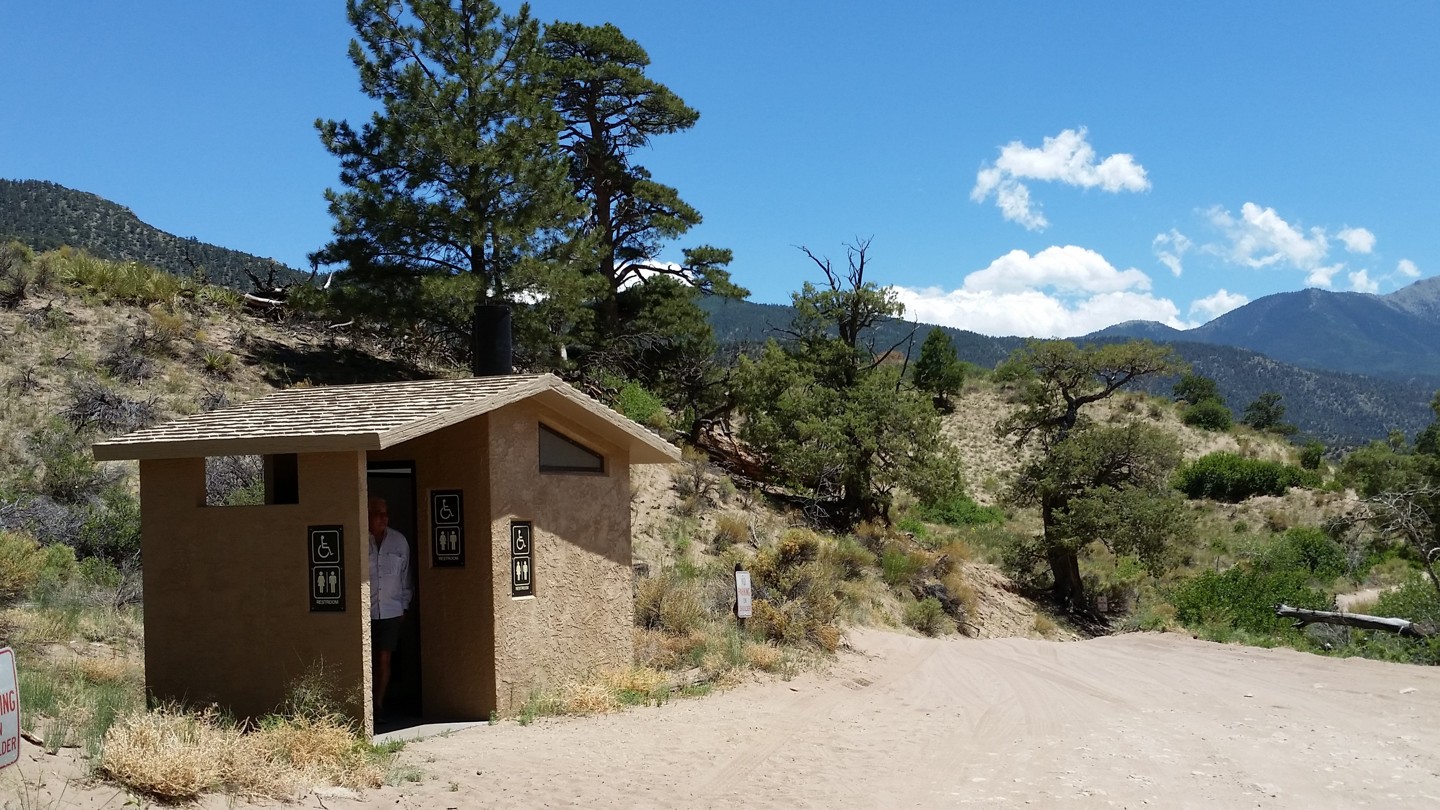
(46, 216)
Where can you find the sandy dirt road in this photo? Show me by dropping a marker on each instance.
(1126, 721)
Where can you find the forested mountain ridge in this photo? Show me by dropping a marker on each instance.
(47, 215)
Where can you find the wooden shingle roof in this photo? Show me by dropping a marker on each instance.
(372, 417)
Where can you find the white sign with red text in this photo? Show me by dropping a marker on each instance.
(742, 594)
(9, 710)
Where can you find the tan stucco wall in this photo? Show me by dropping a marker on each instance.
(581, 616)
(457, 639)
(227, 610)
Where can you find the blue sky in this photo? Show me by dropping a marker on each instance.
(1039, 169)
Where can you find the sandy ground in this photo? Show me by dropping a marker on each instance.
(1125, 721)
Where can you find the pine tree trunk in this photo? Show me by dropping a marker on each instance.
(1069, 589)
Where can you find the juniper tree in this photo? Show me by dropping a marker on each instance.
(1091, 483)
(938, 369)
(832, 419)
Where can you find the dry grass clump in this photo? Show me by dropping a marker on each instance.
(764, 657)
(1045, 626)
(322, 750)
(178, 756)
(671, 603)
(730, 530)
(588, 698)
(657, 649)
(643, 680)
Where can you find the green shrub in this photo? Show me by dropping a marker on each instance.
(639, 404)
(960, 510)
(22, 562)
(1233, 478)
(1415, 600)
(915, 527)
(68, 473)
(1311, 455)
(1023, 559)
(928, 616)
(1309, 549)
(18, 274)
(111, 528)
(1244, 597)
(1209, 414)
(850, 558)
(899, 567)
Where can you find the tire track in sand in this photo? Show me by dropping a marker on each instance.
(786, 725)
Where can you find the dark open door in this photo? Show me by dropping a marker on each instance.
(395, 482)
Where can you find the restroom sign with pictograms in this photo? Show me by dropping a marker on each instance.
(522, 558)
(327, 568)
(447, 528)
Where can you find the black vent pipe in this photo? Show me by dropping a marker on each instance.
(491, 351)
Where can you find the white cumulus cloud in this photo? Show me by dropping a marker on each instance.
(1170, 249)
(1357, 240)
(1259, 237)
(1065, 158)
(1323, 276)
(1058, 292)
(1407, 269)
(1360, 281)
(1213, 306)
(1068, 269)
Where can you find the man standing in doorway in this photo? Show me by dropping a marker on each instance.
(389, 595)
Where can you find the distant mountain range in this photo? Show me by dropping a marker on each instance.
(1339, 408)
(46, 216)
(1395, 335)
(1313, 347)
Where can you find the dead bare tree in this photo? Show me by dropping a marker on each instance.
(1407, 515)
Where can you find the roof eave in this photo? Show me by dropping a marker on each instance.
(201, 448)
(643, 446)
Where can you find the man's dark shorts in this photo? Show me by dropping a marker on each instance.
(385, 633)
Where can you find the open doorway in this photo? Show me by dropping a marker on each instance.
(395, 482)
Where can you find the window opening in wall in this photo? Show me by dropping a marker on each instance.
(560, 453)
(252, 480)
(282, 478)
(234, 481)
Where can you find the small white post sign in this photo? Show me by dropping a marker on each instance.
(9, 710)
(742, 594)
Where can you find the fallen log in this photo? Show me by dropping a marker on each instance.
(256, 302)
(1304, 616)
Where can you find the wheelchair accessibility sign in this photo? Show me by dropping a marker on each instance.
(447, 529)
(327, 568)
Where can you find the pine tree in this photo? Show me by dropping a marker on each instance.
(457, 184)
